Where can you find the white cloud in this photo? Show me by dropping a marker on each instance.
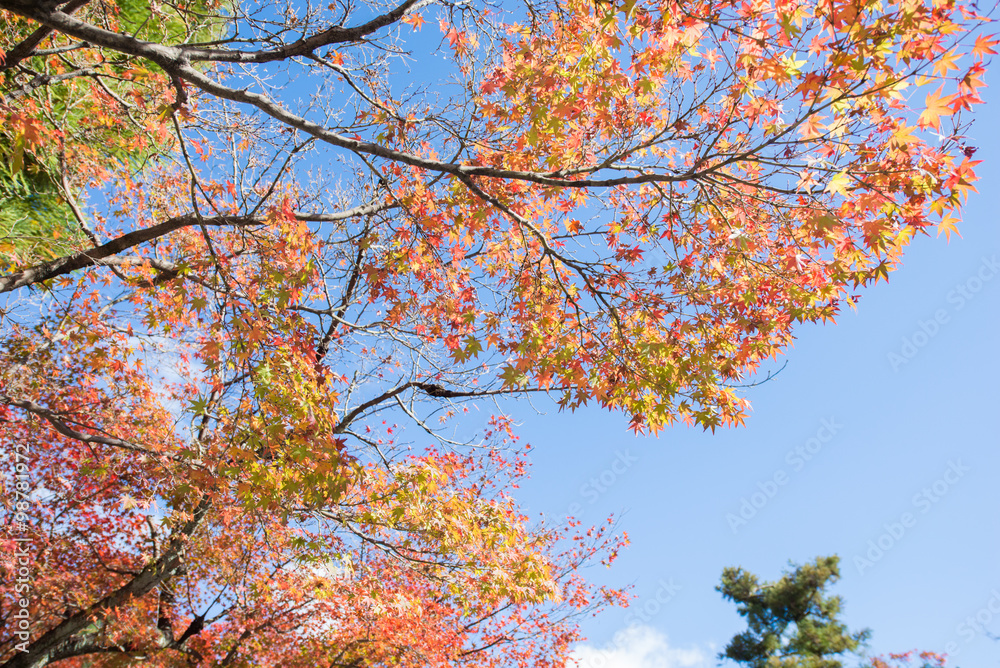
(640, 647)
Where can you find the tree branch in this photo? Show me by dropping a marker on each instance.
(70, 263)
(306, 45)
(104, 254)
(66, 639)
(25, 48)
(176, 63)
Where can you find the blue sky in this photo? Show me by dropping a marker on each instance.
(900, 401)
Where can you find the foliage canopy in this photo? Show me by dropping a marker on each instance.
(272, 235)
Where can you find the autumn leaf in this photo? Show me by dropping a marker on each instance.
(935, 106)
(947, 225)
(984, 46)
(415, 20)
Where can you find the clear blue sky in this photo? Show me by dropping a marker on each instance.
(899, 428)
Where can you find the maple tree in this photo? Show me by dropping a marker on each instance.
(41, 216)
(294, 244)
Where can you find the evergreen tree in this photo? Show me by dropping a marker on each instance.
(792, 623)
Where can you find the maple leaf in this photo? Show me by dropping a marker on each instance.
(453, 36)
(811, 127)
(415, 20)
(984, 46)
(807, 179)
(839, 184)
(946, 63)
(903, 136)
(935, 106)
(947, 225)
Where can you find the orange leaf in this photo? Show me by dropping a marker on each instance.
(935, 107)
(415, 20)
(946, 63)
(983, 46)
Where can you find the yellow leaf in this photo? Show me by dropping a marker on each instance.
(948, 224)
(839, 184)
